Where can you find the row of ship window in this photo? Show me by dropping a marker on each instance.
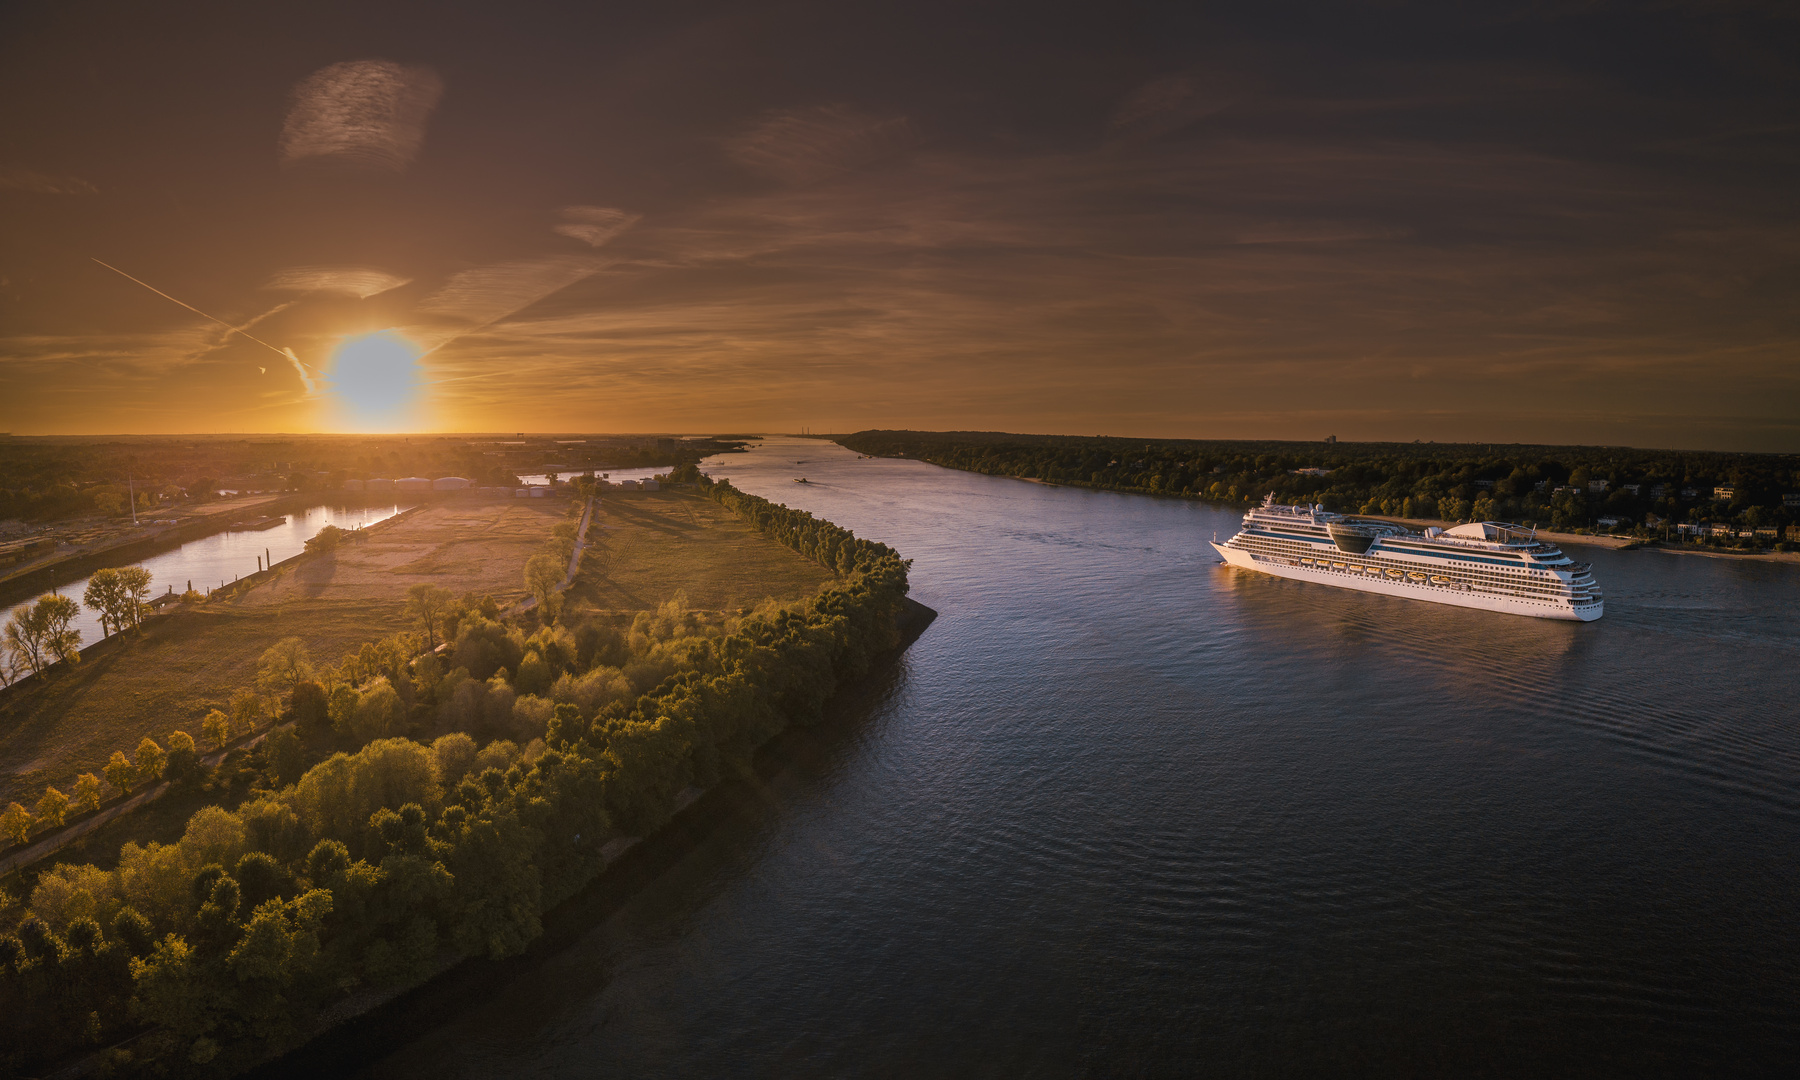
(1484, 578)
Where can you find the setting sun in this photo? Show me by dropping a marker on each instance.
(376, 381)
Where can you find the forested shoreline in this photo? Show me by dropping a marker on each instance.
(316, 875)
(1560, 487)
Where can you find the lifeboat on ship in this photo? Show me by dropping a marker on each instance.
(1415, 575)
(1439, 579)
(1396, 573)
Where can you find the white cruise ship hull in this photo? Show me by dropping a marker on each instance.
(1408, 589)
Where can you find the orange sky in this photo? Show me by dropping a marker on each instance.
(1387, 222)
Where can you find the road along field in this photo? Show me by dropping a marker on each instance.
(193, 660)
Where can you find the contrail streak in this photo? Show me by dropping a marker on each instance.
(287, 354)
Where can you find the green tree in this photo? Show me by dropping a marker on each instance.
(326, 540)
(285, 754)
(284, 666)
(543, 573)
(57, 612)
(87, 792)
(106, 594)
(52, 808)
(182, 764)
(215, 728)
(136, 584)
(428, 603)
(15, 822)
(311, 706)
(121, 773)
(150, 759)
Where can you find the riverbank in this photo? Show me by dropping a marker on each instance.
(356, 1031)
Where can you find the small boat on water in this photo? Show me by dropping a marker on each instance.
(801, 480)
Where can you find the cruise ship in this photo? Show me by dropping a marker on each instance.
(1484, 564)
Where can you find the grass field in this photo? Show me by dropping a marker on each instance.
(643, 548)
(191, 661)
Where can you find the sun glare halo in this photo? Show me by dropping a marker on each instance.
(377, 381)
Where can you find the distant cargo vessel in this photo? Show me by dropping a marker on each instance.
(1484, 564)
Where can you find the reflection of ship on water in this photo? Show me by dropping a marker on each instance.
(1484, 564)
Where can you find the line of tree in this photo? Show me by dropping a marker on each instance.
(393, 855)
(1565, 487)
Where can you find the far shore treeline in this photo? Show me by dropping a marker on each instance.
(350, 851)
(1560, 487)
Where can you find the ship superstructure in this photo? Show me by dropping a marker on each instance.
(1484, 564)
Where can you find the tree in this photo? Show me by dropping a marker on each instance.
(286, 756)
(106, 594)
(136, 582)
(150, 759)
(215, 728)
(183, 762)
(312, 708)
(246, 711)
(543, 573)
(121, 773)
(57, 612)
(25, 639)
(15, 822)
(326, 540)
(41, 631)
(109, 502)
(428, 603)
(284, 665)
(53, 808)
(87, 792)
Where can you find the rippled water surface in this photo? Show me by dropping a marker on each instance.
(1122, 810)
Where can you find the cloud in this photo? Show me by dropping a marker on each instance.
(44, 184)
(359, 281)
(595, 225)
(809, 145)
(367, 113)
(487, 294)
(1163, 106)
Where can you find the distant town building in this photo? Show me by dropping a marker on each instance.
(1331, 439)
(1541, 485)
(1660, 491)
(412, 484)
(523, 493)
(451, 483)
(1312, 472)
(1633, 488)
(1791, 498)
(652, 485)
(378, 484)
(1484, 484)
(1725, 493)
(1598, 486)
(1611, 522)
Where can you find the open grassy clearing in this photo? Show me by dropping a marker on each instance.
(183, 665)
(469, 545)
(194, 660)
(643, 548)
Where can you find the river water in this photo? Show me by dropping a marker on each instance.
(1124, 811)
(223, 557)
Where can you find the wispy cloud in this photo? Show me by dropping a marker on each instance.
(806, 146)
(368, 113)
(359, 281)
(483, 296)
(594, 225)
(44, 183)
(1163, 106)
